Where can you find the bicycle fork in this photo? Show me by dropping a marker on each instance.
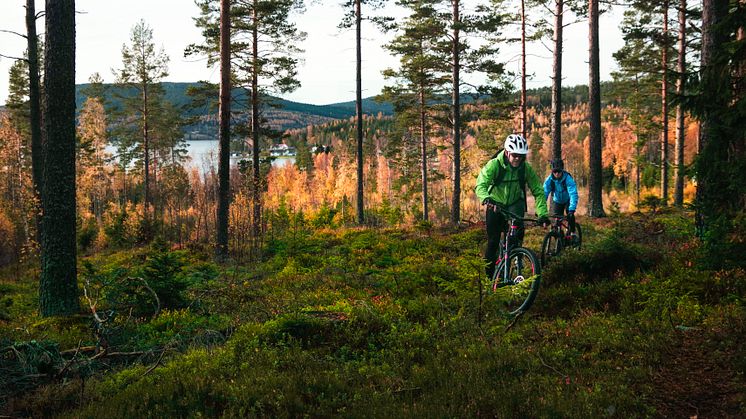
(502, 278)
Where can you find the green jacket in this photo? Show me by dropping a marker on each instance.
(508, 192)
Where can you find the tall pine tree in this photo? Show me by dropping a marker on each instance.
(264, 49)
(142, 70)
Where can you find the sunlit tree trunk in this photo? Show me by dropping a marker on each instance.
(557, 82)
(359, 113)
(680, 134)
(146, 149)
(456, 110)
(664, 107)
(423, 153)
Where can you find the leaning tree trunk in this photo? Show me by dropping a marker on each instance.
(664, 107)
(456, 109)
(678, 198)
(224, 193)
(58, 285)
(359, 112)
(595, 182)
(557, 82)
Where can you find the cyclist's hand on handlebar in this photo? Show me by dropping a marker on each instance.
(543, 221)
(491, 204)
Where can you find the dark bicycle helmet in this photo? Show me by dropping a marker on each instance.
(557, 164)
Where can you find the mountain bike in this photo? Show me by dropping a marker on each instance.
(558, 238)
(517, 277)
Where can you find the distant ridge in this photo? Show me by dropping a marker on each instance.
(284, 114)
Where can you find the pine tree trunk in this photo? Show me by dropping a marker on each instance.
(456, 109)
(524, 129)
(34, 103)
(557, 82)
(664, 107)
(224, 193)
(58, 287)
(423, 153)
(680, 134)
(359, 112)
(595, 181)
(146, 148)
(257, 192)
(713, 13)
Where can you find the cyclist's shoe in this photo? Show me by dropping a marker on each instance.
(574, 239)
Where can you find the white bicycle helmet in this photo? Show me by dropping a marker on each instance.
(516, 144)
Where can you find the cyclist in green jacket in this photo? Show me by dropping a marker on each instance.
(502, 181)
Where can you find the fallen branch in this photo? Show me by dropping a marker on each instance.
(551, 367)
(107, 354)
(154, 366)
(157, 300)
(70, 362)
(514, 321)
(82, 349)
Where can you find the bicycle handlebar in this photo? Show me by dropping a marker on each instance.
(509, 214)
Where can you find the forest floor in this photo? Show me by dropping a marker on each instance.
(386, 323)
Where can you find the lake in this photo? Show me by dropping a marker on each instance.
(204, 155)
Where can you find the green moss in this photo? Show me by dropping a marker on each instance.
(389, 323)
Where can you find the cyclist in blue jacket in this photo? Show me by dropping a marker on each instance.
(564, 192)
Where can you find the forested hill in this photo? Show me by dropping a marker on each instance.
(285, 114)
(282, 114)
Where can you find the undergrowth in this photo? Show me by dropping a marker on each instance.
(389, 323)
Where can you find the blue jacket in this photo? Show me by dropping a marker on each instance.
(562, 194)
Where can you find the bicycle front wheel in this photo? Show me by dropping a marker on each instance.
(517, 291)
(551, 247)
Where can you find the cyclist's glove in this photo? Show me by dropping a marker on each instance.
(491, 204)
(543, 221)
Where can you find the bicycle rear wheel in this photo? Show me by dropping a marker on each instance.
(516, 292)
(551, 247)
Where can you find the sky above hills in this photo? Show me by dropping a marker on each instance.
(327, 74)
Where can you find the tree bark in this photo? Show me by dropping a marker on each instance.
(595, 181)
(664, 107)
(523, 69)
(359, 112)
(423, 153)
(34, 101)
(224, 193)
(713, 13)
(456, 109)
(257, 183)
(58, 287)
(557, 82)
(680, 133)
(146, 147)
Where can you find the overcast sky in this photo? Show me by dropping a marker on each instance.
(327, 74)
